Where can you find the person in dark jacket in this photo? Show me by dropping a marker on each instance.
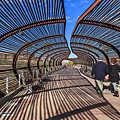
(99, 71)
(114, 68)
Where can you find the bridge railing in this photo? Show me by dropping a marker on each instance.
(8, 81)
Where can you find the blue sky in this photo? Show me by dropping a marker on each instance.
(74, 9)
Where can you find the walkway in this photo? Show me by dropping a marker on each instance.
(67, 96)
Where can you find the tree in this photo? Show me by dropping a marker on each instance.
(70, 63)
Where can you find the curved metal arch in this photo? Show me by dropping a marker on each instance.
(87, 53)
(100, 24)
(87, 50)
(94, 48)
(93, 60)
(52, 58)
(57, 59)
(45, 47)
(98, 40)
(58, 56)
(39, 40)
(82, 52)
(45, 53)
(46, 58)
(29, 68)
(55, 55)
(88, 60)
(85, 13)
(30, 57)
(27, 45)
(66, 58)
(92, 57)
(32, 25)
(61, 58)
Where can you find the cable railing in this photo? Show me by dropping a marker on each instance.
(9, 82)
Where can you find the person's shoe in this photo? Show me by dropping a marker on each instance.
(116, 94)
(111, 88)
(112, 91)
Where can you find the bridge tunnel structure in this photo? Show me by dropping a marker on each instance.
(33, 37)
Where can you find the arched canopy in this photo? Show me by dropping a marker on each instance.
(28, 26)
(31, 28)
(99, 26)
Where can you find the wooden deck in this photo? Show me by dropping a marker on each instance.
(67, 96)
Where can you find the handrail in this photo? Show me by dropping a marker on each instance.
(25, 78)
(16, 69)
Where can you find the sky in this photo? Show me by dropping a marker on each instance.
(74, 9)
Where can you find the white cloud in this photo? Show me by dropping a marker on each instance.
(83, 1)
(73, 5)
(70, 20)
(68, 17)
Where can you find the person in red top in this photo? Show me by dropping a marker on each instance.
(114, 68)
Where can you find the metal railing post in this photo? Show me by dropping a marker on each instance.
(19, 80)
(45, 70)
(7, 85)
(33, 74)
(37, 73)
(23, 79)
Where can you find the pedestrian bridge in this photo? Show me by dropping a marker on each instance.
(34, 82)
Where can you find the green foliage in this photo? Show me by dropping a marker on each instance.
(70, 63)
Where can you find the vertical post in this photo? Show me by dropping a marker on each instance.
(26, 76)
(7, 85)
(37, 73)
(30, 89)
(45, 70)
(23, 79)
(19, 80)
(33, 74)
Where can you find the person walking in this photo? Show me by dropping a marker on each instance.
(114, 68)
(99, 71)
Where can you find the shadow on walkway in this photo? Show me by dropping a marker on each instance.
(68, 97)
